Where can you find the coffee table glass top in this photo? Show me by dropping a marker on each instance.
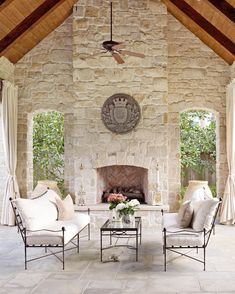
(120, 225)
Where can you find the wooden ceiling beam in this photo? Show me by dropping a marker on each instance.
(215, 17)
(30, 20)
(225, 8)
(199, 32)
(205, 24)
(4, 4)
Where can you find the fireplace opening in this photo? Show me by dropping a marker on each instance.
(130, 181)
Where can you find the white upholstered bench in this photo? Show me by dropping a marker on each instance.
(41, 226)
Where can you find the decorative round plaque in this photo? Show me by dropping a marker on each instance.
(120, 113)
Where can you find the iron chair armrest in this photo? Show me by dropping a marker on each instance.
(183, 230)
(46, 230)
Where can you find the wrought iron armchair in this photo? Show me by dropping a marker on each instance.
(205, 235)
(60, 234)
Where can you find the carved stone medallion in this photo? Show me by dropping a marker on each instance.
(120, 113)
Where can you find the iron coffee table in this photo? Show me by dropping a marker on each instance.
(119, 230)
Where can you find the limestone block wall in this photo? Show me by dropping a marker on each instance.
(178, 73)
(197, 79)
(44, 77)
(142, 26)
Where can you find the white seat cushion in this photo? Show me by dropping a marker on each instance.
(72, 227)
(184, 239)
(37, 212)
(178, 236)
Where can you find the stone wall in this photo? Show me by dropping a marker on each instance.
(179, 72)
(197, 79)
(44, 77)
(142, 26)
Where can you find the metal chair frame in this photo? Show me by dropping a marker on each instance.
(206, 238)
(23, 231)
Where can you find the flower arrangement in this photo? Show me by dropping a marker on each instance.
(127, 207)
(115, 199)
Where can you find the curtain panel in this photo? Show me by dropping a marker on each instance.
(9, 125)
(227, 215)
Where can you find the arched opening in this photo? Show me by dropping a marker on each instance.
(48, 147)
(198, 147)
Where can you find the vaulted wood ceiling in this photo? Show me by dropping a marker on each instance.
(24, 23)
(212, 21)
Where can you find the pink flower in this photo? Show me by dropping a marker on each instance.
(116, 198)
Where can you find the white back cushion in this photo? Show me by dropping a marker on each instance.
(204, 211)
(38, 212)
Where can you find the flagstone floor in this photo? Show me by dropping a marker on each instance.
(85, 274)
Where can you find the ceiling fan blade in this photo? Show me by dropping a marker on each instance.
(126, 52)
(118, 58)
(118, 46)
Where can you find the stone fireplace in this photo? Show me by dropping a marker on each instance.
(131, 181)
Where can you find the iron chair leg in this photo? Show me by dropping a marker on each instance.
(77, 243)
(25, 257)
(63, 229)
(164, 249)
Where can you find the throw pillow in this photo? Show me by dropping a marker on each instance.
(65, 208)
(204, 212)
(185, 214)
(36, 213)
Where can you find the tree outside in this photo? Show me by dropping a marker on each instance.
(48, 148)
(198, 147)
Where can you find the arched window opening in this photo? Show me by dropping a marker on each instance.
(198, 147)
(48, 148)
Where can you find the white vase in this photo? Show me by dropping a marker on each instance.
(128, 218)
(116, 215)
(197, 190)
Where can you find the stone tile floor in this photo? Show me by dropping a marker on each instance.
(85, 274)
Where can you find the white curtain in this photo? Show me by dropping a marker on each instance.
(227, 215)
(9, 124)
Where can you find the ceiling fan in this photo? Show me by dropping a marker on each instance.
(117, 48)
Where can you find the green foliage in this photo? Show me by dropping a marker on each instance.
(181, 193)
(48, 147)
(213, 190)
(198, 141)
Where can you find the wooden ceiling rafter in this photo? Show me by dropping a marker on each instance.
(220, 43)
(25, 35)
(215, 17)
(4, 4)
(26, 24)
(225, 7)
(205, 24)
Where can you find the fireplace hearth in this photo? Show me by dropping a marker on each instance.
(131, 181)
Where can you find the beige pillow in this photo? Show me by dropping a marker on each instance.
(65, 208)
(185, 214)
(204, 212)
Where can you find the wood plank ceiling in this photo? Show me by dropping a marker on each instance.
(212, 21)
(24, 23)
